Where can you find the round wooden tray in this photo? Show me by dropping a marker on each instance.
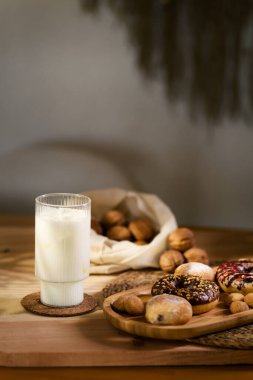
(218, 319)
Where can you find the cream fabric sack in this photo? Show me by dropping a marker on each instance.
(109, 256)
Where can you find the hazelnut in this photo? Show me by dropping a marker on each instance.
(181, 239)
(249, 299)
(141, 229)
(113, 218)
(197, 255)
(134, 305)
(238, 307)
(96, 226)
(169, 260)
(231, 297)
(119, 233)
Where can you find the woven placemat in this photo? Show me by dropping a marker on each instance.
(239, 338)
(131, 279)
(32, 303)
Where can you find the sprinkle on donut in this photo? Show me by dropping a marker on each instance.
(193, 288)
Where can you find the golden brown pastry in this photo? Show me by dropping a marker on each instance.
(181, 239)
(141, 229)
(238, 307)
(119, 233)
(231, 297)
(130, 304)
(197, 255)
(167, 309)
(134, 305)
(196, 269)
(170, 259)
(249, 299)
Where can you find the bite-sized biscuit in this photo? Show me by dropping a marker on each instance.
(197, 255)
(249, 299)
(238, 307)
(228, 298)
(166, 309)
(196, 269)
(130, 304)
(134, 305)
(181, 239)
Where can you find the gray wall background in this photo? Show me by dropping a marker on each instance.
(70, 79)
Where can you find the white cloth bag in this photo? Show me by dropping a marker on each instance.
(109, 256)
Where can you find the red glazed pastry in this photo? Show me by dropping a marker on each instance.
(236, 276)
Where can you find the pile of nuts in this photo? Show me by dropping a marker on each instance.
(181, 249)
(116, 226)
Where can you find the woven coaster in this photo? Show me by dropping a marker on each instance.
(32, 303)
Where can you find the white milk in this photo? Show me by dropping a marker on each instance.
(62, 254)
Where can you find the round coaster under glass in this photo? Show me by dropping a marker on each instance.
(32, 303)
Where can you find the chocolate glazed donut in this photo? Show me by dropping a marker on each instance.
(202, 294)
(236, 276)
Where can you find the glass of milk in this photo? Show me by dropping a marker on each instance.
(62, 247)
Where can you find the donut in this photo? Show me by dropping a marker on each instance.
(202, 294)
(236, 276)
(196, 269)
(166, 309)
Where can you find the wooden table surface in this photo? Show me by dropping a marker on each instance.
(134, 357)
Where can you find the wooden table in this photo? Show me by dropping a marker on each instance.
(95, 349)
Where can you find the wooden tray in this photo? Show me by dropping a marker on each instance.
(218, 319)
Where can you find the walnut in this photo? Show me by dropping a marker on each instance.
(238, 307)
(169, 260)
(96, 226)
(141, 229)
(197, 254)
(113, 218)
(119, 233)
(181, 239)
(249, 299)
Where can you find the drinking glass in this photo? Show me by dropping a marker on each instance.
(62, 247)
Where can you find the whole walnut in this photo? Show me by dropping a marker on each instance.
(197, 254)
(181, 239)
(119, 233)
(141, 229)
(113, 218)
(171, 259)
